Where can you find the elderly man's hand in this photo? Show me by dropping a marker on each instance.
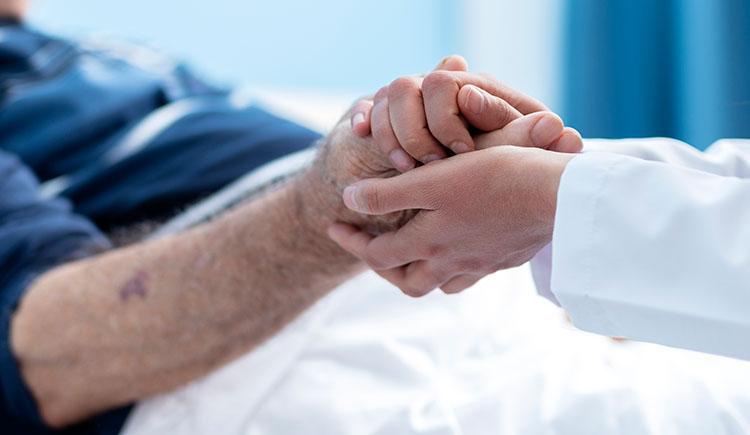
(479, 212)
(343, 159)
(422, 119)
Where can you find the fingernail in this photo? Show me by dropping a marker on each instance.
(401, 161)
(475, 100)
(459, 147)
(357, 119)
(430, 158)
(350, 197)
(546, 130)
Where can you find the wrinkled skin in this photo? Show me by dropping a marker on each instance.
(343, 159)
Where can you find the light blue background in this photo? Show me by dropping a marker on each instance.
(324, 44)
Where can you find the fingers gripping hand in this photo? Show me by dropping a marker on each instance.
(398, 123)
(415, 278)
(361, 112)
(420, 120)
(540, 129)
(414, 119)
(506, 221)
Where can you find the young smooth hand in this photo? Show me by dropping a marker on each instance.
(479, 212)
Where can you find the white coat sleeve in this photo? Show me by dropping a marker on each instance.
(658, 249)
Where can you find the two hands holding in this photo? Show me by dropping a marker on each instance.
(465, 173)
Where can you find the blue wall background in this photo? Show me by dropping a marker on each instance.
(677, 68)
(340, 45)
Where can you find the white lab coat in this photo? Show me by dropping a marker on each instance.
(652, 243)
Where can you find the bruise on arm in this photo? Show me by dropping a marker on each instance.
(137, 286)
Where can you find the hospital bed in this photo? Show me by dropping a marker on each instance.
(495, 359)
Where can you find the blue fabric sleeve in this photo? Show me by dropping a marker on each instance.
(36, 234)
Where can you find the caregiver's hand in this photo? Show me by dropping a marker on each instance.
(480, 212)
(414, 119)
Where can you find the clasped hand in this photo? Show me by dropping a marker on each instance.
(481, 171)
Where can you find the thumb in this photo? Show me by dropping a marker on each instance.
(379, 196)
(539, 129)
(483, 110)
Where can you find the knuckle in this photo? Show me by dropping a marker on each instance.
(381, 93)
(372, 199)
(402, 87)
(413, 143)
(444, 131)
(438, 80)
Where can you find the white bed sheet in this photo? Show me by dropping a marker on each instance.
(496, 359)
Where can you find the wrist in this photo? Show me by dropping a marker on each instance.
(530, 178)
(313, 204)
(553, 169)
(287, 225)
(317, 199)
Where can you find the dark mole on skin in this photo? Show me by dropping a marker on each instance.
(136, 286)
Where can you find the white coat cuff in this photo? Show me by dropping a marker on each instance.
(575, 239)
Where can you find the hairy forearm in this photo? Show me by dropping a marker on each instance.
(115, 328)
